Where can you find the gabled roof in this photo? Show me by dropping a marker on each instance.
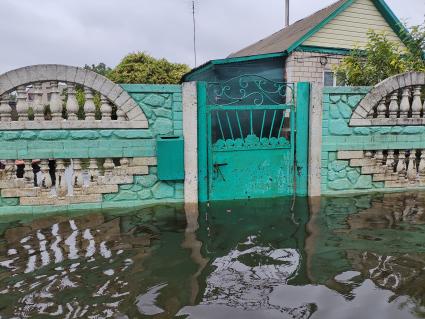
(291, 37)
(285, 38)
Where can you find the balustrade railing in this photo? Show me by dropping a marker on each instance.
(47, 182)
(397, 168)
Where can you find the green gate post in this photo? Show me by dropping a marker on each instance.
(202, 143)
(301, 142)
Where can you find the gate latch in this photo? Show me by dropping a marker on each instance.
(218, 170)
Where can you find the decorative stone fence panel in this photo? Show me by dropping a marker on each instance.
(65, 158)
(365, 148)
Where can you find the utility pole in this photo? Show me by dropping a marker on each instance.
(194, 32)
(286, 13)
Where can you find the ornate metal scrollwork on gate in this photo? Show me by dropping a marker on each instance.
(250, 90)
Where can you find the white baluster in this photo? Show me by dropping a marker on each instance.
(124, 162)
(411, 170)
(38, 102)
(21, 103)
(78, 175)
(379, 156)
(382, 109)
(55, 102)
(72, 103)
(10, 170)
(5, 109)
(401, 165)
(105, 109)
(120, 115)
(422, 164)
(417, 103)
(108, 166)
(93, 171)
(390, 161)
(393, 107)
(89, 107)
(405, 103)
(46, 180)
(28, 173)
(61, 184)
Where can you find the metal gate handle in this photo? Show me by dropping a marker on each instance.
(218, 170)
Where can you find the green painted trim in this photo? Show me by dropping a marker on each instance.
(202, 142)
(346, 89)
(319, 26)
(210, 64)
(323, 50)
(301, 143)
(152, 88)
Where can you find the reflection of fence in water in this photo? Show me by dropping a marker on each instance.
(87, 255)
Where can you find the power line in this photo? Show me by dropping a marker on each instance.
(194, 32)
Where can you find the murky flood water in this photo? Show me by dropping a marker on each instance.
(354, 257)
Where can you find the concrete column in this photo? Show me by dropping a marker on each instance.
(190, 133)
(315, 158)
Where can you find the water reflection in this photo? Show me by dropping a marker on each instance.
(352, 257)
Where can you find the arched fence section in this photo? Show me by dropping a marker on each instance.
(44, 97)
(373, 139)
(70, 137)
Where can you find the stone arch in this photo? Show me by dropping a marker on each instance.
(363, 115)
(63, 73)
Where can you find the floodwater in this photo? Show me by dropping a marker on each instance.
(353, 257)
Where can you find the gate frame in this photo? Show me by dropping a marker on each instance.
(301, 147)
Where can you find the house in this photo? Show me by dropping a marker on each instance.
(308, 49)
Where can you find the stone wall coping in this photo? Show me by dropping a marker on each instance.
(346, 89)
(152, 88)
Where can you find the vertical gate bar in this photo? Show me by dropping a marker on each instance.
(302, 129)
(262, 124)
(281, 123)
(219, 124)
(250, 122)
(230, 126)
(271, 127)
(239, 124)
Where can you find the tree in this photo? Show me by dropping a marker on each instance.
(382, 58)
(142, 68)
(100, 68)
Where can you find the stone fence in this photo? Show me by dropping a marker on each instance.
(98, 154)
(373, 139)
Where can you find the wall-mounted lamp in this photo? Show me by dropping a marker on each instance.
(323, 60)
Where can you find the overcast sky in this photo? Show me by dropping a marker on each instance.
(76, 32)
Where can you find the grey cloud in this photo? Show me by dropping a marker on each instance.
(90, 31)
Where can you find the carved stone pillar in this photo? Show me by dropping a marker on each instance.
(28, 173)
(401, 166)
(46, 180)
(405, 104)
(77, 178)
(89, 107)
(55, 102)
(38, 102)
(61, 185)
(5, 109)
(108, 166)
(93, 171)
(21, 103)
(72, 103)
(411, 169)
(105, 109)
(10, 170)
(382, 109)
(417, 103)
(393, 107)
(120, 115)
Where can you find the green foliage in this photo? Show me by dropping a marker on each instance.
(382, 58)
(100, 68)
(142, 68)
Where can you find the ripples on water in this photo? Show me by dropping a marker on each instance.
(354, 257)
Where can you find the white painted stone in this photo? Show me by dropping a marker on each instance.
(38, 201)
(107, 87)
(98, 82)
(360, 122)
(315, 141)
(71, 73)
(346, 155)
(20, 192)
(79, 124)
(100, 189)
(80, 76)
(122, 99)
(89, 80)
(115, 93)
(143, 161)
(355, 162)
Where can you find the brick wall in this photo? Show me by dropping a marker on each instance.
(307, 66)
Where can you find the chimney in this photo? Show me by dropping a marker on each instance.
(286, 13)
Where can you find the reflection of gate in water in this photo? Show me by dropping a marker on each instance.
(250, 133)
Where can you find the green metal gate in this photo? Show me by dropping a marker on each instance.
(246, 139)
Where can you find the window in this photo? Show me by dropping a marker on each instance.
(329, 79)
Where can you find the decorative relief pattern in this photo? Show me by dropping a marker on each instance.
(46, 99)
(396, 101)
